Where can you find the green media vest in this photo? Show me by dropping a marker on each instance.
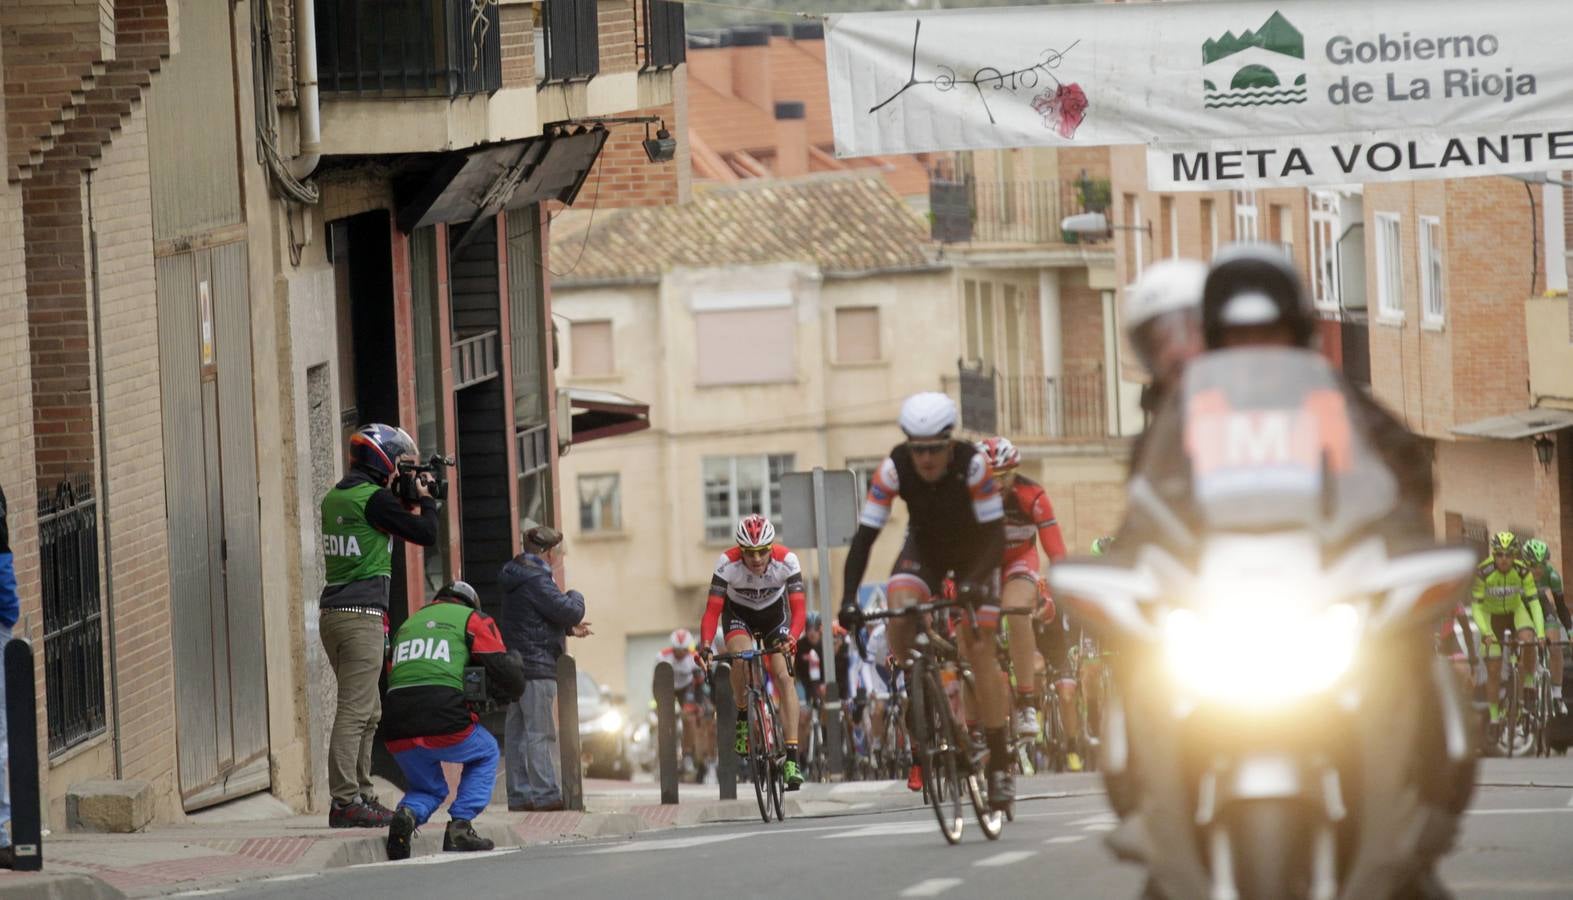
(353, 549)
(432, 648)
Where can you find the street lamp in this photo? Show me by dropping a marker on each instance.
(1545, 449)
(1096, 223)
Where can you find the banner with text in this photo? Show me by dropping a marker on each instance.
(1298, 92)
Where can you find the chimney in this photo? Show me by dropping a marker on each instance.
(751, 65)
(710, 60)
(791, 139)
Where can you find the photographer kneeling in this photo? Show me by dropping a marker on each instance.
(360, 518)
(430, 721)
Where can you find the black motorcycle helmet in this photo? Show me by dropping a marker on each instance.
(460, 592)
(1254, 284)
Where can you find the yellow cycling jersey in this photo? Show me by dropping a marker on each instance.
(1513, 592)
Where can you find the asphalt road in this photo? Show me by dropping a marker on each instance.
(1516, 843)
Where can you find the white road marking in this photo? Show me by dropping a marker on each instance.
(1100, 826)
(883, 829)
(1007, 858)
(931, 887)
(437, 859)
(1100, 819)
(1066, 839)
(1522, 812)
(677, 843)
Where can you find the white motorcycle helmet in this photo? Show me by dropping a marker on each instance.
(1163, 316)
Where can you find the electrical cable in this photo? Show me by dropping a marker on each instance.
(1534, 240)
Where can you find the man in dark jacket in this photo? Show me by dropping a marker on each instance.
(431, 723)
(537, 617)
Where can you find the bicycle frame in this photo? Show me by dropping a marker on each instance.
(766, 750)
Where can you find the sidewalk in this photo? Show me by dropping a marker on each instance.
(246, 840)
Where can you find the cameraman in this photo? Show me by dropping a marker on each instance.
(360, 518)
(430, 721)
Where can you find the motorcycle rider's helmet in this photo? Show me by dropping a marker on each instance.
(1254, 284)
(1504, 542)
(460, 592)
(682, 639)
(1000, 452)
(1536, 552)
(376, 448)
(928, 415)
(754, 532)
(1163, 316)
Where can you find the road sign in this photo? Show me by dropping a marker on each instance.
(798, 507)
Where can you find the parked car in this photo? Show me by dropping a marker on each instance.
(605, 731)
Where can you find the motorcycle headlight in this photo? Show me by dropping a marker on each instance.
(1258, 651)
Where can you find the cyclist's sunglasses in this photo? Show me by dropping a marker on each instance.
(762, 548)
(928, 448)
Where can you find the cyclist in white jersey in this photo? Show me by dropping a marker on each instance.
(757, 589)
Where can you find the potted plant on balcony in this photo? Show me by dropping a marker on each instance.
(1092, 195)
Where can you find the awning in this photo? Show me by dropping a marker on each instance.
(603, 414)
(1514, 426)
(473, 184)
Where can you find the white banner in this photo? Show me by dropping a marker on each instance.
(1454, 77)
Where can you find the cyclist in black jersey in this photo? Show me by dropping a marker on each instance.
(956, 527)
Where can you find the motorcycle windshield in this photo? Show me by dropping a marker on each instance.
(1267, 439)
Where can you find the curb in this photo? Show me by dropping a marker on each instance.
(57, 887)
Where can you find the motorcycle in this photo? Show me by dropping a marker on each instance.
(1280, 726)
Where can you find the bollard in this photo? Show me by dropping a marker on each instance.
(21, 712)
(726, 730)
(666, 730)
(568, 733)
(831, 717)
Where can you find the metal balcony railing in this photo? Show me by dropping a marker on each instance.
(662, 42)
(474, 359)
(408, 48)
(1066, 407)
(999, 211)
(568, 41)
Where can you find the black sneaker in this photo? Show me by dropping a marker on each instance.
(357, 814)
(461, 837)
(400, 833)
(1002, 790)
(376, 806)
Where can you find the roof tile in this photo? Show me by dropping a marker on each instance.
(843, 223)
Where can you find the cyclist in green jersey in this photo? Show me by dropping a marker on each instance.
(1505, 599)
(1548, 582)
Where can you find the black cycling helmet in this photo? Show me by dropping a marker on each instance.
(461, 592)
(1254, 284)
(812, 621)
(376, 448)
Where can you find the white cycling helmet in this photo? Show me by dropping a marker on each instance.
(682, 639)
(928, 415)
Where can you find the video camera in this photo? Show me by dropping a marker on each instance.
(404, 484)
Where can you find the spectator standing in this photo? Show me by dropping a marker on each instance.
(10, 609)
(537, 617)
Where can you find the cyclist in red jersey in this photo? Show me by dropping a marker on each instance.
(1029, 520)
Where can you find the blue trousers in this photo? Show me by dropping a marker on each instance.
(423, 770)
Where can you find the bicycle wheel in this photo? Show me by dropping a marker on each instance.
(758, 757)
(1516, 739)
(990, 821)
(777, 746)
(942, 766)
